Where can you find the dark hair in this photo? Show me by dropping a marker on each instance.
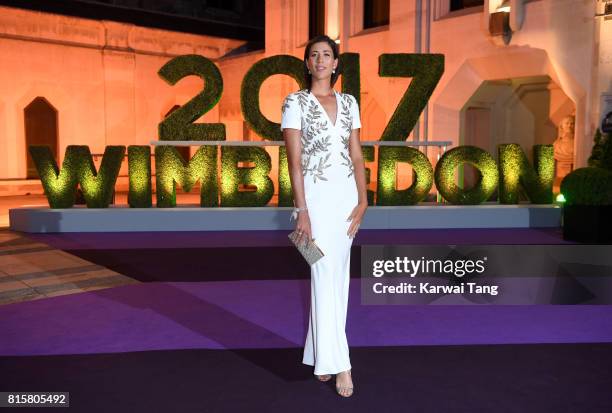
(335, 51)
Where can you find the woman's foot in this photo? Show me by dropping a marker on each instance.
(344, 384)
(324, 377)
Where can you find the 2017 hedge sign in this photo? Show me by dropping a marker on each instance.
(513, 172)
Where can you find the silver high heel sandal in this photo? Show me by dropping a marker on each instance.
(341, 389)
(324, 377)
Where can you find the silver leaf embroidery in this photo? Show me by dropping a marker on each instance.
(316, 137)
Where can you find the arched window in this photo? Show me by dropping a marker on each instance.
(40, 129)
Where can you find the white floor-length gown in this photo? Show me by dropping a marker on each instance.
(331, 194)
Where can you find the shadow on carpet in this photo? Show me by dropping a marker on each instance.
(503, 378)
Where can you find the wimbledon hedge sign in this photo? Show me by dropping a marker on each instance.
(513, 174)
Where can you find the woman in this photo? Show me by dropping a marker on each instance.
(321, 132)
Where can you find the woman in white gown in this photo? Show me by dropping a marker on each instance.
(321, 131)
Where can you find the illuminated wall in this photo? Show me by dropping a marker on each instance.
(102, 76)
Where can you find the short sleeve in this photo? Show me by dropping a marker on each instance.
(291, 116)
(355, 113)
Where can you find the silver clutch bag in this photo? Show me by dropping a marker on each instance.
(310, 251)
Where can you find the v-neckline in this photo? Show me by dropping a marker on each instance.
(323, 107)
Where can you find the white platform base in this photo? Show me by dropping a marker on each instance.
(124, 219)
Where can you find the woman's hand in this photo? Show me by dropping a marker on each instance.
(303, 228)
(356, 217)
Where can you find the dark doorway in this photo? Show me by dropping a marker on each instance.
(40, 129)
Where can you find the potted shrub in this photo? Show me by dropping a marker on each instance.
(587, 213)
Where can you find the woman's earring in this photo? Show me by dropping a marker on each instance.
(334, 71)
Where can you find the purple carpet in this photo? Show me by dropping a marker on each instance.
(530, 378)
(212, 256)
(221, 323)
(221, 239)
(269, 314)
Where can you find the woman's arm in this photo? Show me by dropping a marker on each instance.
(293, 145)
(359, 173)
(358, 165)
